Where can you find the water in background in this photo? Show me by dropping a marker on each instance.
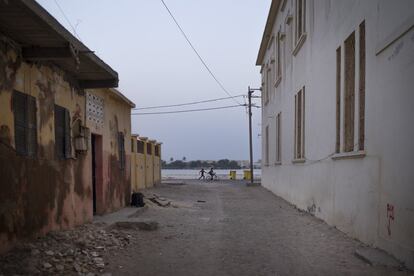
(193, 174)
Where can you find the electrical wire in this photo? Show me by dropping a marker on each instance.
(67, 20)
(183, 104)
(189, 110)
(198, 55)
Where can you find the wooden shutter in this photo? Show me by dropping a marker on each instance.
(338, 100)
(20, 122)
(31, 126)
(68, 144)
(59, 132)
(121, 150)
(140, 147)
(149, 150)
(362, 86)
(349, 92)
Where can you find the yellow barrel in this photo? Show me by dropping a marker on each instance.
(247, 175)
(232, 175)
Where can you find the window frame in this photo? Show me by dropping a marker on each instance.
(300, 20)
(121, 150)
(299, 130)
(140, 147)
(278, 132)
(267, 147)
(350, 105)
(65, 151)
(278, 59)
(28, 125)
(149, 149)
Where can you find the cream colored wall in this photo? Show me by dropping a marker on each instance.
(352, 194)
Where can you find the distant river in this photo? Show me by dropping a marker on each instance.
(193, 174)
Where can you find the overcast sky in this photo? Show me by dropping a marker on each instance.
(156, 66)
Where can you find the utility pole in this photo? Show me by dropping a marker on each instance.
(249, 96)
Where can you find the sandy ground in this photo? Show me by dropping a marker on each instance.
(226, 228)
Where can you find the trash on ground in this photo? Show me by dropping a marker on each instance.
(137, 200)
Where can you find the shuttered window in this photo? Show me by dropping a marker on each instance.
(349, 92)
(157, 150)
(278, 139)
(362, 86)
(121, 150)
(25, 124)
(299, 145)
(149, 148)
(338, 100)
(140, 147)
(350, 103)
(62, 133)
(133, 141)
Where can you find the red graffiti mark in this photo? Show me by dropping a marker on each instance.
(390, 216)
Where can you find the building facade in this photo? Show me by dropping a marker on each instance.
(337, 110)
(64, 135)
(145, 163)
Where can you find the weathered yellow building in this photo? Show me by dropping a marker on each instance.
(145, 163)
(108, 117)
(64, 135)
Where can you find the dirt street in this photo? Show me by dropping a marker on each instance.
(226, 228)
(197, 228)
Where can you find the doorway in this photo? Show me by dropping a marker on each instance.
(96, 142)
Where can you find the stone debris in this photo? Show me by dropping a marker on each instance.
(160, 201)
(140, 225)
(80, 251)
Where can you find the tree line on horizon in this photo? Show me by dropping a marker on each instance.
(198, 164)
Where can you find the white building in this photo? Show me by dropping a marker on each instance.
(338, 111)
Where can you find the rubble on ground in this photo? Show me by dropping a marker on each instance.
(79, 251)
(160, 201)
(135, 225)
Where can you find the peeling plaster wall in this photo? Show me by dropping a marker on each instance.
(42, 193)
(116, 185)
(369, 198)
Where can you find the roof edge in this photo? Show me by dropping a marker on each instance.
(274, 8)
(122, 97)
(53, 23)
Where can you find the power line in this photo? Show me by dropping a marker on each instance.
(198, 55)
(67, 20)
(189, 110)
(189, 103)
